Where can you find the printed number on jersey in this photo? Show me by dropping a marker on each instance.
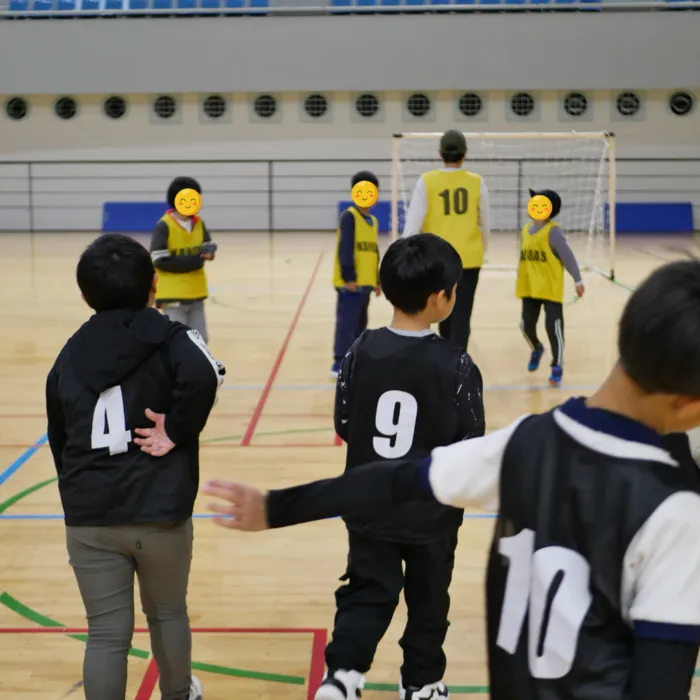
(553, 585)
(109, 422)
(396, 421)
(454, 201)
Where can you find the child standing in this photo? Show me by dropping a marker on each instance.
(402, 391)
(179, 246)
(355, 275)
(543, 256)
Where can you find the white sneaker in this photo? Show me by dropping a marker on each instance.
(341, 685)
(195, 689)
(434, 691)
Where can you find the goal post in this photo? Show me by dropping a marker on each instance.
(580, 166)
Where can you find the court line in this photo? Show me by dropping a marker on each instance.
(148, 684)
(22, 459)
(259, 407)
(47, 625)
(317, 667)
(195, 516)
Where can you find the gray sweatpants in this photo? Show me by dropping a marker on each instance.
(190, 314)
(105, 560)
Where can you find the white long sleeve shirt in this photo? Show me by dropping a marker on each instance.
(418, 209)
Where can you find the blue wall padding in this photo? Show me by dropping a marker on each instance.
(382, 210)
(653, 217)
(131, 217)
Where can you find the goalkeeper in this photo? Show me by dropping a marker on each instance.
(452, 203)
(544, 254)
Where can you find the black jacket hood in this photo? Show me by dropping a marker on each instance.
(112, 344)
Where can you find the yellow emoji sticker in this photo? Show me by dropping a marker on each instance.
(539, 207)
(364, 194)
(188, 202)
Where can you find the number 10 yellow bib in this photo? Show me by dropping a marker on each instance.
(453, 198)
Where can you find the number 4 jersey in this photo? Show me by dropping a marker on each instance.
(399, 395)
(117, 365)
(596, 545)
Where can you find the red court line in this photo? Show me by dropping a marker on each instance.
(148, 684)
(257, 412)
(338, 441)
(318, 662)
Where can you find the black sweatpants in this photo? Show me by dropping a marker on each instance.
(554, 323)
(457, 327)
(366, 604)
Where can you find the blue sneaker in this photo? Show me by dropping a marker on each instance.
(555, 376)
(335, 369)
(535, 357)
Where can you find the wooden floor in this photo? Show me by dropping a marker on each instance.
(260, 604)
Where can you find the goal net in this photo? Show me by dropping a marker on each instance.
(579, 166)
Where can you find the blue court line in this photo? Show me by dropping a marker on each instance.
(197, 516)
(22, 459)
(331, 387)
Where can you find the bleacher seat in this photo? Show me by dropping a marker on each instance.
(138, 4)
(390, 3)
(18, 5)
(113, 5)
(258, 4)
(42, 6)
(90, 5)
(210, 4)
(65, 5)
(462, 2)
(366, 3)
(186, 4)
(162, 5)
(234, 4)
(339, 7)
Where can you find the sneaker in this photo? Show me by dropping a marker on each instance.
(433, 691)
(195, 689)
(556, 375)
(335, 369)
(341, 685)
(535, 357)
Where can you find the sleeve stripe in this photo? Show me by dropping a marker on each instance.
(197, 339)
(159, 254)
(665, 631)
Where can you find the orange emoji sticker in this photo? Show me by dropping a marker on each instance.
(188, 202)
(364, 194)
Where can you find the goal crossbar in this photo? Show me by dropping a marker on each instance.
(602, 223)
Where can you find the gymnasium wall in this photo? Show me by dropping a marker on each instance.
(302, 194)
(585, 50)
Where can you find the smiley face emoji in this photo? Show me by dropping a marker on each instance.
(539, 207)
(188, 202)
(364, 194)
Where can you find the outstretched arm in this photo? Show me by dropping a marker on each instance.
(561, 249)
(464, 474)
(417, 209)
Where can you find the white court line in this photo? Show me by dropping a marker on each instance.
(331, 387)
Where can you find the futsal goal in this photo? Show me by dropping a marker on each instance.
(580, 166)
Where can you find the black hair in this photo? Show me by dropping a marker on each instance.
(659, 333)
(417, 267)
(453, 146)
(365, 176)
(115, 272)
(181, 183)
(553, 197)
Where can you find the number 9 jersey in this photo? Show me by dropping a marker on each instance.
(401, 394)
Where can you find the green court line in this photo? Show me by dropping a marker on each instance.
(33, 616)
(28, 491)
(274, 432)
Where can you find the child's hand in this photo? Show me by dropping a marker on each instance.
(351, 286)
(207, 256)
(378, 290)
(580, 289)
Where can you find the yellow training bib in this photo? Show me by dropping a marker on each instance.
(182, 286)
(540, 272)
(453, 198)
(366, 251)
